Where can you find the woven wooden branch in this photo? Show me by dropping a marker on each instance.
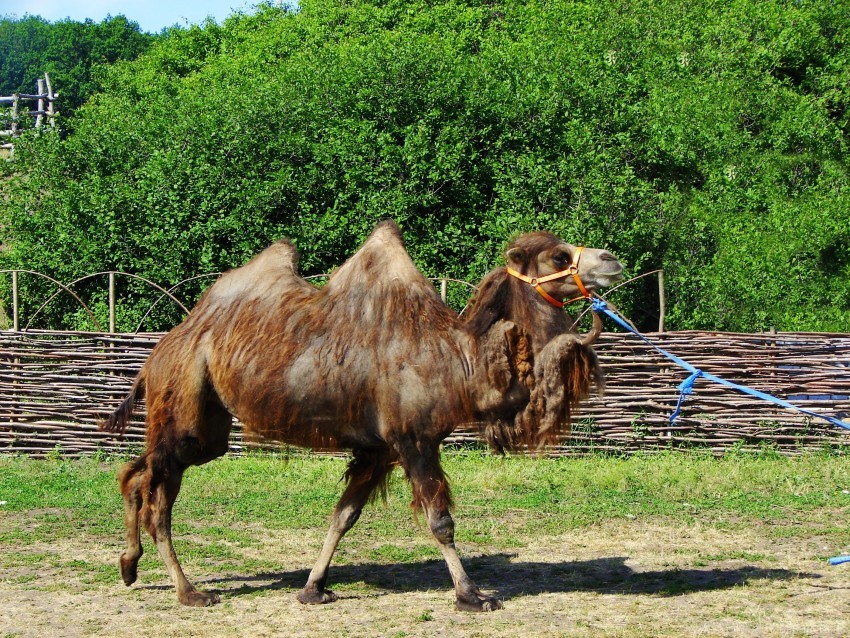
(55, 386)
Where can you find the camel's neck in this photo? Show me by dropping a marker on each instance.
(502, 297)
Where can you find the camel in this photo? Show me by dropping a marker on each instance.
(372, 362)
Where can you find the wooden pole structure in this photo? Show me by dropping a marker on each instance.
(40, 110)
(444, 284)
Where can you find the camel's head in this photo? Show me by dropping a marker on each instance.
(561, 269)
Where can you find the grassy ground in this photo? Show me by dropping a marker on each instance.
(680, 544)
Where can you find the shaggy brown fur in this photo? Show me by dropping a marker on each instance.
(373, 362)
(557, 368)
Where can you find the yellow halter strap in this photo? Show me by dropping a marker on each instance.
(571, 271)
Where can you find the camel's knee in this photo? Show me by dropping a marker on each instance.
(345, 518)
(443, 528)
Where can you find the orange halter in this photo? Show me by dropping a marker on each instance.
(571, 271)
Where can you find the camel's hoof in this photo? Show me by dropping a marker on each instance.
(316, 597)
(129, 570)
(478, 602)
(197, 598)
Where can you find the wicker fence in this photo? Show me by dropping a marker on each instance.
(54, 386)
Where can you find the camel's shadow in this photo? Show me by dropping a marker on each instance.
(498, 573)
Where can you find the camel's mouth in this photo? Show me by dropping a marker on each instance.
(609, 273)
(606, 271)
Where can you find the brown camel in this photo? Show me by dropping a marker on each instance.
(373, 362)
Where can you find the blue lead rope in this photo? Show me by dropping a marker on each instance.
(686, 387)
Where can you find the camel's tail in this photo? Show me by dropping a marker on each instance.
(118, 421)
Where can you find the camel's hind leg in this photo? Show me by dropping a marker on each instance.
(159, 525)
(130, 480)
(170, 451)
(367, 471)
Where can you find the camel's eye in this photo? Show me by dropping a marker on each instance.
(562, 258)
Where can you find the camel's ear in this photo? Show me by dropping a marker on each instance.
(517, 256)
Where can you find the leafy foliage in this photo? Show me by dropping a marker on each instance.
(67, 50)
(708, 140)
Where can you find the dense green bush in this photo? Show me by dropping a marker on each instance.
(710, 140)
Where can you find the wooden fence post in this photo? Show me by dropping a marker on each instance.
(15, 322)
(662, 301)
(16, 99)
(50, 99)
(111, 303)
(444, 284)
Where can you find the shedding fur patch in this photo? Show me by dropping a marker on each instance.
(564, 373)
(370, 468)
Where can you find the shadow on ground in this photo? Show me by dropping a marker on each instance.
(508, 578)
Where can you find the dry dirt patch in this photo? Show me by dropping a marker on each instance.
(630, 579)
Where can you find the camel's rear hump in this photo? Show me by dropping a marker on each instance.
(271, 272)
(382, 260)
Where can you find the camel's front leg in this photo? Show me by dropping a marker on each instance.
(431, 493)
(366, 472)
(469, 597)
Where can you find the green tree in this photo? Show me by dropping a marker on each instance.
(67, 50)
(708, 140)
